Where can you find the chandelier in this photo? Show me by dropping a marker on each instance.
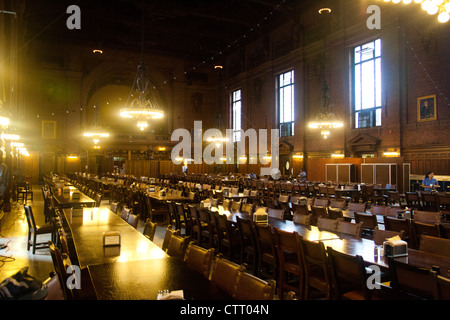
(326, 119)
(432, 7)
(96, 131)
(141, 108)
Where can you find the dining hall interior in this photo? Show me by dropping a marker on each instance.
(225, 150)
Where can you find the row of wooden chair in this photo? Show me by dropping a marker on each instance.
(226, 275)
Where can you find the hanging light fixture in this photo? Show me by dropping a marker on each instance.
(141, 108)
(96, 131)
(432, 7)
(326, 119)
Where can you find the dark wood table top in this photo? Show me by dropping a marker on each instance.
(350, 215)
(365, 248)
(141, 280)
(168, 197)
(66, 200)
(87, 230)
(311, 233)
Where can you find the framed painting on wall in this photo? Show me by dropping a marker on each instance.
(49, 129)
(426, 108)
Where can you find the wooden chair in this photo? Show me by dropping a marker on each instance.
(23, 190)
(357, 207)
(276, 213)
(182, 219)
(435, 245)
(235, 206)
(177, 246)
(379, 236)
(133, 220)
(368, 220)
(441, 287)
(86, 289)
(321, 202)
(349, 228)
(125, 213)
(199, 259)
(168, 235)
(268, 262)
(98, 199)
(226, 204)
(335, 214)
(317, 212)
(394, 224)
(225, 274)
(413, 200)
(315, 264)
(419, 229)
(337, 204)
(249, 248)
(249, 287)
(410, 282)
(379, 209)
(247, 207)
(206, 229)
(393, 198)
(348, 275)
(327, 224)
(300, 208)
(35, 230)
(430, 202)
(430, 217)
(291, 265)
(149, 229)
(157, 212)
(228, 237)
(304, 219)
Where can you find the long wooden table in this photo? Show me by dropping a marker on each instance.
(87, 227)
(142, 279)
(354, 246)
(66, 200)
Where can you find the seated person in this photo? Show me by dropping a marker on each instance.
(430, 183)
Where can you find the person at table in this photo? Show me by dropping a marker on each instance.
(252, 175)
(302, 175)
(430, 183)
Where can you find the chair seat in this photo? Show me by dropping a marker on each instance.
(45, 228)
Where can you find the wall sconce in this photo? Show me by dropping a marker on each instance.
(338, 156)
(298, 156)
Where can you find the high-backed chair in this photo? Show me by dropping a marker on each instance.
(249, 287)
(317, 212)
(199, 259)
(379, 235)
(348, 276)
(35, 230)
(177, 246)
(149, 229)
(268, 262)
(349, 228)
(410, 282)
(225, 275)
(441, 287)
(430, 217)
(435, 245)
(304, 219)
(133, 220)
(327, 224)
(419, 229)
(291, 265)
(249, 248)
(315, 264)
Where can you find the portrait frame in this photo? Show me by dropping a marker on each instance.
(49, 129)
(422, 113)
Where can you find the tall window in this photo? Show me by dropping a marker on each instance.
(286, 103)
(236, 105)
(367, 84)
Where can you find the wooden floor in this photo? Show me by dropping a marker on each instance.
(14, 230)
